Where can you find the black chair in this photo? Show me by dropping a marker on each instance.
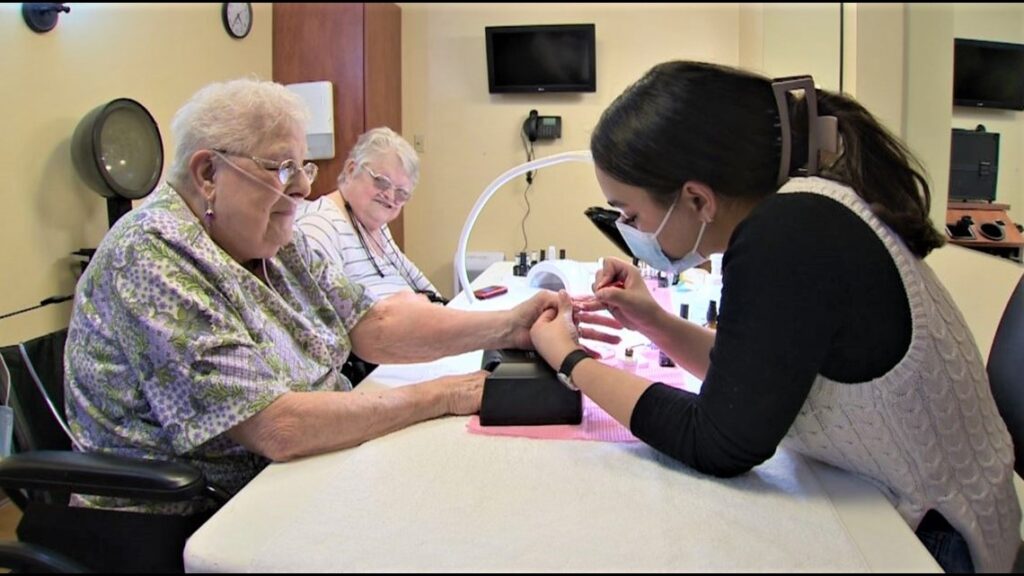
(1006, 371)
(356, 369)
(1006, 377)
(43, 472)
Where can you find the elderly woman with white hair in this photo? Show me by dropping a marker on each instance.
(350, 225)
(204, 331)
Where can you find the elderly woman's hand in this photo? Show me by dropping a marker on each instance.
(525, 314)
(462, 392)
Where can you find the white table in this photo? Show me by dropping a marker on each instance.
(434, 497)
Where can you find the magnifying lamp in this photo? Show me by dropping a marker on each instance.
(460, 252)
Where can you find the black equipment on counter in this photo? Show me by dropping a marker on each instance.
(523, 390)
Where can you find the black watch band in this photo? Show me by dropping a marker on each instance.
(570, 362)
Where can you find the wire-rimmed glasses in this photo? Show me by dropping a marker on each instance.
(382, 183)
(286, 169)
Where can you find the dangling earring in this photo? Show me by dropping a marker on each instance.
(208, 216)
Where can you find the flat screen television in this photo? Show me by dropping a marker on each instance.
(988, 74)
(542, 58)
(973, 166)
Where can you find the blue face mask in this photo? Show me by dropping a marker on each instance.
(644, 246)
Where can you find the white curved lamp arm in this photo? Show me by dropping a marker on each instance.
(460, 251)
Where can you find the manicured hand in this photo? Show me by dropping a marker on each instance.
(583, 313)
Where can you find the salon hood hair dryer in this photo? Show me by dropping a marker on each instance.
(117, 151)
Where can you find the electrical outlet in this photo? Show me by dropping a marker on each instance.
(417, 142)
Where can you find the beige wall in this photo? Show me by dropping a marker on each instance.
(156, 54)
(802, 39)
(928, 89)
(1000, 23)
(471, 136)
(874, 70)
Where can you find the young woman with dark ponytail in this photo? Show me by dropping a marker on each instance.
(834, 338)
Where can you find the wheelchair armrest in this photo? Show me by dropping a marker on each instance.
(101, 475)
(25, 557)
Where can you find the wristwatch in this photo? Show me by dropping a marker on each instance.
(570, 362)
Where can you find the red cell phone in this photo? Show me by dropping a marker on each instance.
(490, 292)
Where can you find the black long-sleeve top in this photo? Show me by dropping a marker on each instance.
(808, 288)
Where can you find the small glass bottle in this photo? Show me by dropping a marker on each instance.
(522, 267)
(628, 362)
(712, 316)
(662, 279)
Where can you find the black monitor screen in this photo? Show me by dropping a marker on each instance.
(988, 74)
(973, 166)
(555, 58)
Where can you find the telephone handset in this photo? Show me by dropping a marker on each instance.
(542, 127)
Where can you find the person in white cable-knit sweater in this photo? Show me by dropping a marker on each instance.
(834, 337)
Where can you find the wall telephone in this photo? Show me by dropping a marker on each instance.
(542, 127)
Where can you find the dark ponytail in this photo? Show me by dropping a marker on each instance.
(882, 171)
(718, 125)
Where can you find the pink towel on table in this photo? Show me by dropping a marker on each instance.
(596, 425)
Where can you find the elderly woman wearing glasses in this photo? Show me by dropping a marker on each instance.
(350, 225)
(204, 330)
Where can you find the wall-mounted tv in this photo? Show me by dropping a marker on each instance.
(988, 74)
(543, 58)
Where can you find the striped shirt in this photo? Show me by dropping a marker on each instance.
(329, 232)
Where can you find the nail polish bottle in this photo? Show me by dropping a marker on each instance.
(712, 317)
(662, 279)
(522, 267)
(628, 362)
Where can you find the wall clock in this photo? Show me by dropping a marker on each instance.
(237, 18)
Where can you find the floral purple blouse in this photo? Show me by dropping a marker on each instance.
(172, 343)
